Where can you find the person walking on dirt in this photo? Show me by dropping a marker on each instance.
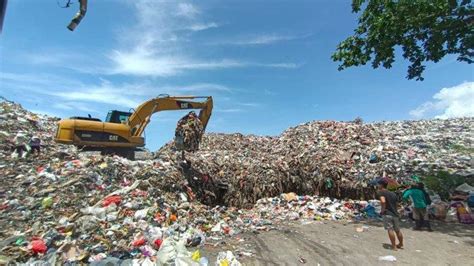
(420, 200)
(391, 218)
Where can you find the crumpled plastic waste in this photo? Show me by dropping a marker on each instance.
(47, 202)
(388, 258)
(227, 258)
(114, 199)
(38, 246)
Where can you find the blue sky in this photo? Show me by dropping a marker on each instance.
(266, 63)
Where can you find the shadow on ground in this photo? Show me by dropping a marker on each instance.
(455, 229)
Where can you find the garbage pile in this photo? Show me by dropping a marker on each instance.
(327, 158)
(188, 133)
(292, 207)
(460, 207)
(61, 206)
(18, 126)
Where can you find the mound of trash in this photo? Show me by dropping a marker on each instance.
(326, 158)
(14, 120)
(60, 206)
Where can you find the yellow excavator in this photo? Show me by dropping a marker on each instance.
(121, 133)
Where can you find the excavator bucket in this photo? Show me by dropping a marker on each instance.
(79, 16)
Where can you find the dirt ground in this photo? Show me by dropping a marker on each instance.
(336, 243)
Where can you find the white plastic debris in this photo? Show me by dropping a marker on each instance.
(388, 258)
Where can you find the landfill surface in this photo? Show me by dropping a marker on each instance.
(326, 158)
(359, 243)
(64, 206)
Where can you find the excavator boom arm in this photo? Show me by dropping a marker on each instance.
(142, 115)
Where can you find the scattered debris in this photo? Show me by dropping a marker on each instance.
(302, 260)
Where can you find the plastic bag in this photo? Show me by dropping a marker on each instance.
(388, 258)
(47, 202)
(140, 214)
(370, 211)
(196, 256)
(439, 210)
(464, 215)
(167, 252)
(470, 200)
(138, 242)
(38, 246)
(184, 261)
(451, 215)
(227, 259)
(116, 199)
(153, 233)
(203, 261)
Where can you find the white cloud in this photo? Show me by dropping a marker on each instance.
(229, 110)
(36, 80)
(277, 65)
(43, 112)
(74, 106)
(187, 10)
(198, 87)
(261, 39)
(264, 39)
(126, 95)
(203, 26)
(65, 59)
(98, 95)
(250, 104)
(155, 46)
(236, 107)
(143, 62)
(147, 63)
(47, 58)
(457, 101)
(71, 94)
(269, 92)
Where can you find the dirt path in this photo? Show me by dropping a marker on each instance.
(333, 243)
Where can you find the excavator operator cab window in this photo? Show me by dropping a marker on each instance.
(118, 117)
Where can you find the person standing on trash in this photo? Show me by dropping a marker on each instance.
(20, 144)
(391, 218)
(35, 144)
(420, 200)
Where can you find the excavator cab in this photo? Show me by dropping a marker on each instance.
(118, 117)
